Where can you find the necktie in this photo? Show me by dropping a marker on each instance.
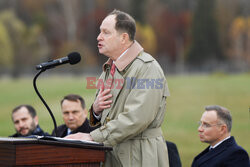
(112, 71)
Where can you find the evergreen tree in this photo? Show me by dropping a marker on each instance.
(137, 10)
(205, 47)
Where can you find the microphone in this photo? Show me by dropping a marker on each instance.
(72, 58)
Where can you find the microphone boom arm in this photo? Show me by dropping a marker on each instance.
(39, 95)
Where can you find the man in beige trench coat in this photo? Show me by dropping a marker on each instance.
(131, 99)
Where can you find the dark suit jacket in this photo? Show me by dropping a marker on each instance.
(227, 154)
(63, 129)
(173, 155)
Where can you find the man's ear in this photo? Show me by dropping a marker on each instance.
(36, 120)
(124, 37)
(224, 128)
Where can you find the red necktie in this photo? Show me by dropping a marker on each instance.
(112, 71)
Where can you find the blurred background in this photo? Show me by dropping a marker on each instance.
(202, 46)
(184, 35)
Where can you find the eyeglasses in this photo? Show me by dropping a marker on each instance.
(206, 125)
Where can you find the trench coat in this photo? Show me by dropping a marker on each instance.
(132, 125)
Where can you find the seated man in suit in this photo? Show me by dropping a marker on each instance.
(74, 116)
(214, 129)
(26, 122)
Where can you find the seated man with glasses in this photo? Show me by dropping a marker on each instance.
(214, 128)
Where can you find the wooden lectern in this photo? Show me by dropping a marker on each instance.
(49, 153)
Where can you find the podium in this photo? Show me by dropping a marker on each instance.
(49, 153)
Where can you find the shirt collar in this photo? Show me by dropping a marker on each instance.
(126, 57)
(219, 142)
(121, 55)
(68, 131)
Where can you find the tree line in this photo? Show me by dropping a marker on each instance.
(193, 35)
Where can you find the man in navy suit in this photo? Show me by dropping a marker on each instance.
(74, 116)
(214, 128)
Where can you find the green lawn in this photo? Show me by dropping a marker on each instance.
(189, 95)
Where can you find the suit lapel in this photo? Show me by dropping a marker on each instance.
(208, 155)
(63, 132)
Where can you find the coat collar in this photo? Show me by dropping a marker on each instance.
(127, 58)
(206, 154)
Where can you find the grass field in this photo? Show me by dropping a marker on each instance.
(189, 95)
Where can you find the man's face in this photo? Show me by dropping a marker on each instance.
(210, 130)
(23, 122)
(73, 114)
(109, 39)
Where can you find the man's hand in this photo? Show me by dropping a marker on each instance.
(80, 136)
(102, 101)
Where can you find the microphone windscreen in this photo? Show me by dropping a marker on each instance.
(74, 57)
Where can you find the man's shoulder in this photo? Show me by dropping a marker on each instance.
(145, 57)
(231, 144)
(60, 128)
(39, 131)
(229, 148)
(14, 135)
(145, 61)
(63, 126)
(237, 155)
(236, 149)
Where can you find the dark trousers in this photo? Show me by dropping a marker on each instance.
(173, 155)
